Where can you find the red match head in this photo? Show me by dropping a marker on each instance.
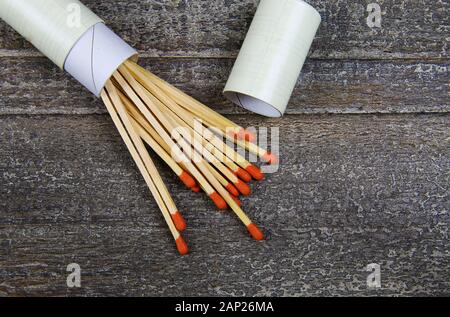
(182, 246)
(218, 200)
(179, 221)
(232, 190)
(255, 232)
(243, 188)
(187, 180)
(244, 175)
(255, 172)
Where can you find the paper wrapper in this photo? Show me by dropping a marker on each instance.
(272, 56)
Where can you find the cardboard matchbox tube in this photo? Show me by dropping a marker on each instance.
(272, 56)
(70, 35)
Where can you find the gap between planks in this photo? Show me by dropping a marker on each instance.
(4, 53)
(251, 116)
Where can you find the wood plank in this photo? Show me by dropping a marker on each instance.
(352, 190)
(216, 28)
(35, 86)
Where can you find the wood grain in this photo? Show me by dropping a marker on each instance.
(216, 28)
(355, 190)
(35, 86)
(363, 176)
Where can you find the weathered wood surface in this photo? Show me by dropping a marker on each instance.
(363, 177)
(352, 190)
(218, 27)
(324, 86)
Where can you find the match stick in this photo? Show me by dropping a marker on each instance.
(158, 149)
(211, 142)
(255, 232)
(151, 102)
(126, 81)
(245, 168)
(139, 119)
(265, 155)
(181, 244)
(225, 195)
(147, 104)
(178, 219)
(231, 189)
(195, 106)
(192, 139)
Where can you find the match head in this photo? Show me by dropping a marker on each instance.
(244, 135)
(188, 180)
(270, 158)
(196, 189)
(243, 188)
(255, 172)
(249, 136)
(232, 190)
(219, 201)
(244, 175)
(255, 232)
(182, 246)
(179, 221)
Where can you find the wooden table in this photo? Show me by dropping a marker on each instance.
(363, 177)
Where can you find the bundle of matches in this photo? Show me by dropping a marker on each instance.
(189, 137)
(145, 109)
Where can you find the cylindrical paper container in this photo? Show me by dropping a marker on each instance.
(272, 56)
(71, 35)
(96, 56)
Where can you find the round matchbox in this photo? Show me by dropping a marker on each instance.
(70, 35)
